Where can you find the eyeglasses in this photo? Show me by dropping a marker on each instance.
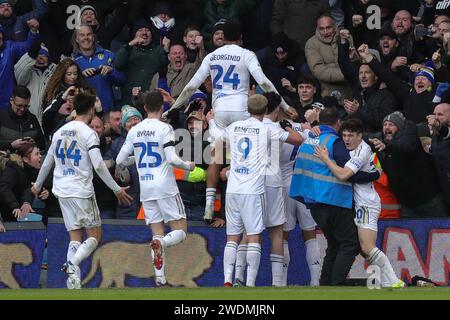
(20, 106)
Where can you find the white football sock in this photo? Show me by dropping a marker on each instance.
(210, 195)
(84, 251)
(378, 258)
(277, 262)
(229, 260)
(174, 237)
(253, 259)
(159, 274)
(241, 262)
(72, 249)
(287, 259)
(313, 259)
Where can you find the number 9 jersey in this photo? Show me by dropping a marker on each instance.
(70, 146)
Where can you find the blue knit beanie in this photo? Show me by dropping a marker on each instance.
(128, 112)
(197, 95)
(427, 71)
(43, 51)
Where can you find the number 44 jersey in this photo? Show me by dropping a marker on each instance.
(70, 146)
(147, 140)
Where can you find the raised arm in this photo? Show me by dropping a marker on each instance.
(196, 81)
(348, 68)
(395, 84)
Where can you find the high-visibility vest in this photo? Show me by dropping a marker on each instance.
(313, 181)
(390, 206)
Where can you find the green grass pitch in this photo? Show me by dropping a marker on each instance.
(219, 293)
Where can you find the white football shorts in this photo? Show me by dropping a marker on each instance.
(166, 209)
(297, 211)
(244, 212)
(367, 217)
(275, 207)
(80, 213)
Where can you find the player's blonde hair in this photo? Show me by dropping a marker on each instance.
(257, 104)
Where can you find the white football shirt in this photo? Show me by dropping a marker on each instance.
(250, 148)
(72, 176)
(273, 172)
(230, 67)
(287, 156)
(147, 140)
(362, 159)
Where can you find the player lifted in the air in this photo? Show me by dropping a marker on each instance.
(367, 201)
(75, 152)
(153, 144)
(249, 142)
(230, 68)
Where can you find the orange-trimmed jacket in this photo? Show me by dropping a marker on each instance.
(390, 206)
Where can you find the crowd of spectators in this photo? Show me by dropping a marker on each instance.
(386, 63)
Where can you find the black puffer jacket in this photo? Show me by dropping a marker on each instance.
(440, 151)
(374, 104)
(410, 170)
(13, 127)
(15, 184)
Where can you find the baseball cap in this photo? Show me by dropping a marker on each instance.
(219, 25)
(196, 115)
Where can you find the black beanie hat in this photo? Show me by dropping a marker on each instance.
(142, 23)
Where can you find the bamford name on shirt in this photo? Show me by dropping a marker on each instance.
(247, 130)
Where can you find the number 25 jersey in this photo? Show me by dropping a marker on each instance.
(72, 177)
(148, 139)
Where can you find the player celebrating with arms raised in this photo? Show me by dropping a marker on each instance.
(74, 152)
(230, 67)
